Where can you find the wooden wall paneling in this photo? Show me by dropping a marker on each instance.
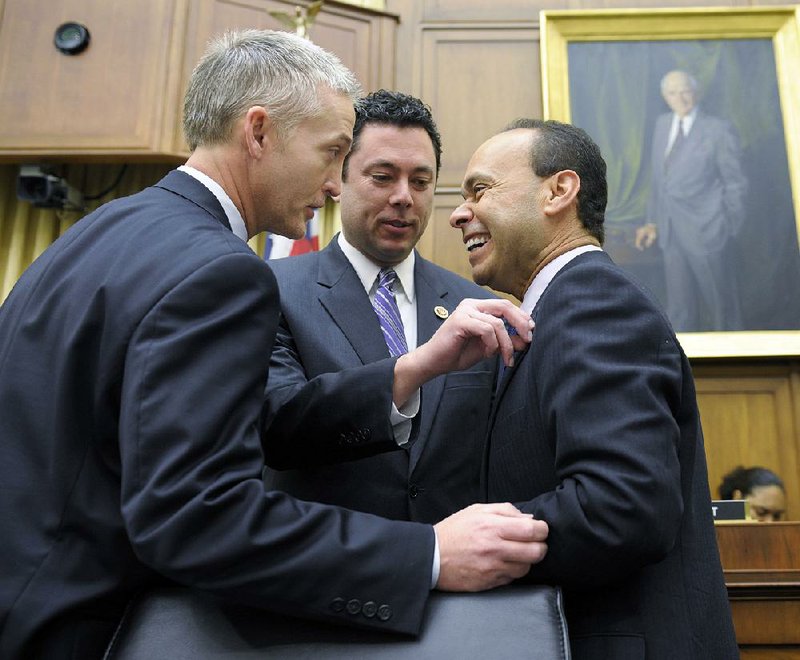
(748, 415)
(109, 99)
(477, 78)
(480, 10)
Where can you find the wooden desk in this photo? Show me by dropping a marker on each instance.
(761, 562)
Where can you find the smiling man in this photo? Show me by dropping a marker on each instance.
(330, 389)
(595, 429)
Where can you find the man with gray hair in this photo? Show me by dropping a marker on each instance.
(132, 374)
(695, 210)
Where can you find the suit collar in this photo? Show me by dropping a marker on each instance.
(235, 219)
(345, 299)
(192, 190)
(432, 293)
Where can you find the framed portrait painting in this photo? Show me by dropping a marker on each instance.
(697, 113)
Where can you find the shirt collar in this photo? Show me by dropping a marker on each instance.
(546, 275)
(235, 219)
(688, 121)
(367, 270)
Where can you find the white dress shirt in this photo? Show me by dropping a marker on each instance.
(367, 271)
(546, 275)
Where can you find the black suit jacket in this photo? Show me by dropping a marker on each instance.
(131, 379)
(330, 394)
(596, 431)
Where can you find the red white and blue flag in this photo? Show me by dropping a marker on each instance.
(278, 247)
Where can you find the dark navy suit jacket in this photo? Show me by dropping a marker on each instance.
(596, 431)
(132, 371)
(330, 393)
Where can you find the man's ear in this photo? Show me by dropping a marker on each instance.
(257, 127)
(563, 191)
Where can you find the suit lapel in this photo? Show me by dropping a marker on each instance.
(343, 296)
(431, 292)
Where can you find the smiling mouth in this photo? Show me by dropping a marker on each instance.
(475, 242)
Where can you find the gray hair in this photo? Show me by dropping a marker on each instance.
(277, 70)
(689, 77)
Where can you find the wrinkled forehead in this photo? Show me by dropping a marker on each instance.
(678, 84)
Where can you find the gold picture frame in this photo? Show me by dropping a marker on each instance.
(579, 52)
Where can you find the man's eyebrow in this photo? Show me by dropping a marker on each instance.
(380, 163)
(469, 182)
(346, 138)
(388, 164)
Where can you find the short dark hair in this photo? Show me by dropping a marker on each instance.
(746, 479)
(558, 146)
(394, 109)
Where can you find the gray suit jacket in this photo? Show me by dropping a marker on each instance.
(330, 391)
(697, 203)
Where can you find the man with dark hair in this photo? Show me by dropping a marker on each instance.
(331, 373)
(132, 375)
(595, 429)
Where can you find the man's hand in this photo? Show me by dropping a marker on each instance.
(474, 331)
(645, 236)
(486, 546)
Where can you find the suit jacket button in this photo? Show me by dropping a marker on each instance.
(353, 606)
(413, 491)
(370, 609)
(384, 612)
(337, 604)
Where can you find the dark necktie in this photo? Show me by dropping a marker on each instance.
(677, 144)
(388, 313)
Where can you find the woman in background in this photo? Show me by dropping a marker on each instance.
(762, 488)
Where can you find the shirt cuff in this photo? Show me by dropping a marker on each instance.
(436, 562)
(402, 419)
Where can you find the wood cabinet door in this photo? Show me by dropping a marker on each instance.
(363, 39)
(116, 97)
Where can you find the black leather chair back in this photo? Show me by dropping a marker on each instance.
(513, 623)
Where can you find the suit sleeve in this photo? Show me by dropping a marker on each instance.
(192, 497)
(606, 379)
(338, 416)
(729, 164)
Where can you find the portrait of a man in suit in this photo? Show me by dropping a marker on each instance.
(709, 225)
(696, 208)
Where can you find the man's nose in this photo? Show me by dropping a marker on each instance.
(461, 215)
(333, 185)
(401, 194)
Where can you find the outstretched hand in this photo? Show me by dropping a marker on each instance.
(477, 329)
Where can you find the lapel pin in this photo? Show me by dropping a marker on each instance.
(441, 312)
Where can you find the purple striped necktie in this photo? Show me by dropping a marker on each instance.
(388, 314)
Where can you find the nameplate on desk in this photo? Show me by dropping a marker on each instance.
(729, 510)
